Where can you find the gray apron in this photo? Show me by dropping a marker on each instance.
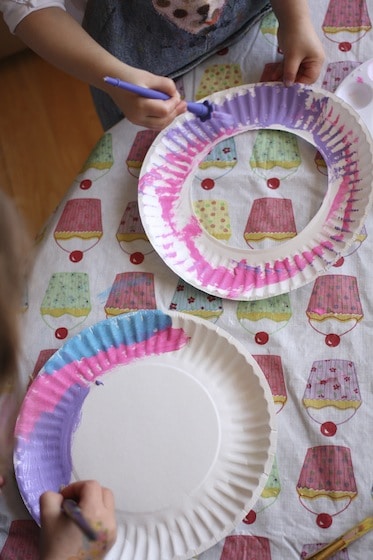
(160, 37)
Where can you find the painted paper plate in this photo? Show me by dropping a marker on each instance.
(167, 410)
(318, 117)
(357, 90)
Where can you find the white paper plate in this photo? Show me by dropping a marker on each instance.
(166, 208)
(168, 411)
(357, 90)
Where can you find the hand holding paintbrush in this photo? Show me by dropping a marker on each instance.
(78, 520)
(203, 110)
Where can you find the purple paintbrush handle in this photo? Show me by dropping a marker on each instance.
(202, 110)
(139, 90)
(73, 511)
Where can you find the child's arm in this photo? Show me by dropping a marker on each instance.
(301, 47)
(59, 39)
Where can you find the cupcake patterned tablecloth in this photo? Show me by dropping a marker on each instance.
(94, 261)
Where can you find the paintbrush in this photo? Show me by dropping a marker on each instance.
(73, 511)
(344, 540)
(203, 110)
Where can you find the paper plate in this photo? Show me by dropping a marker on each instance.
(166, 209)
(168, 411)
(357, 90)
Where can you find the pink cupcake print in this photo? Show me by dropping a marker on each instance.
(326, 485)
(271, 366)
(334, 308)
(346, 22)
(131, 235)
(332, 394)
(22, 540)
(141, 144)
(79, 227)
(43, 357)
(270, 219)
(247, 547)
(336, 72)
(131, 291)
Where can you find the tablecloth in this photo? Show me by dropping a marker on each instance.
(93, 260)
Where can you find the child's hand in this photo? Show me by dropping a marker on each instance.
(150, 113)
(299, 43)
(303, 55)
(61, 539)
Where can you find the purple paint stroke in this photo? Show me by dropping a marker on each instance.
(46, 456)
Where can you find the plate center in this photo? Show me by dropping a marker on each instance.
(150, 432)
(242, 193)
